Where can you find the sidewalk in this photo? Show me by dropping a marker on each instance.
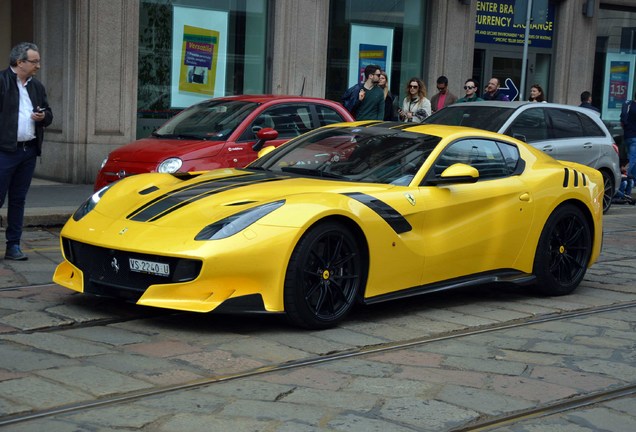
(50, 203)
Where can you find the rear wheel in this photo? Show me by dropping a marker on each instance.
(323, 278)
(563, 251)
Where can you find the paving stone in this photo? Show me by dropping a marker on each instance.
(341, 399)
(354, 422)
(261, 410)
(534, 390)
(620, 371)
(8, 407)
(408, 357)
(481, 400)
(19, 358)
(119, 416)
(249, 389)
(219, 362)
(264, 350)
(207, 423)
(34, 320)
(485, 365)
(427, 415)
(106, 335)
(312, 377)
(40, 393)
(572, 378)
(390, 387)
(96, 381)
(165, 348)
(59, 344)
(361, 367)
(603, 419)
(569, 349)
(458, 318)
(443, 376)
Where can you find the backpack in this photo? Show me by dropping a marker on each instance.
(350, 98)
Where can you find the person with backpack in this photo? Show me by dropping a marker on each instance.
(365, 101)
(628, 122)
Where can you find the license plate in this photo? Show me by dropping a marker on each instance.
(150, 267)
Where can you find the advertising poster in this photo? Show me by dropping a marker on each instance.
(369, 45)
(371, 54)
(618, 88)
(199, 55)
(198, 60)
(495, 25)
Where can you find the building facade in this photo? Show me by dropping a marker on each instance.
(115, 70)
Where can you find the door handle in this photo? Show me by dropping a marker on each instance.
(524, 197)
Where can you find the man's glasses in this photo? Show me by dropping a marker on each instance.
(469, 87)
(413, 86)
(33, 61)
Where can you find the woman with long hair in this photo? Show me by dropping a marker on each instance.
(389, 99)
(536, 94)
(415, 106)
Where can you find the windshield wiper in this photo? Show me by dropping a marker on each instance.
(180, 136)
(313, 172)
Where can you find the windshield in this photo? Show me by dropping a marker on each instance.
(477, 116)
(214, 119)
(376, 155)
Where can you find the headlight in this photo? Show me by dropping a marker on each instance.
(104, 163)
(238, 222)
(170, 165)
(90, 203)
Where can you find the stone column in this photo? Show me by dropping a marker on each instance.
(300, 47)
(89, 54)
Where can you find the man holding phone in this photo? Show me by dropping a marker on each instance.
(24, 113)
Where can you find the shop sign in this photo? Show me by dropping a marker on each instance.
(496, 25)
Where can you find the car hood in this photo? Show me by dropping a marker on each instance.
(175, 201)
(153, 149)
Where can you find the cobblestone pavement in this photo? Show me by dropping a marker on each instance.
(59, 349)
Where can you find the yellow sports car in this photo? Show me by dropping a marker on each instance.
(349, 213)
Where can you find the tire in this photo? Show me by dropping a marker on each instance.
(324, 276)
(563, 251)
(608, 190)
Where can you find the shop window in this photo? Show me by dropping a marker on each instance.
(192, 50)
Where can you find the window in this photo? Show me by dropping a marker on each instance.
(236, 31)
(290, 120)
(590, 128)
(491, 159)
(327, 116)
(565, 124)
(530, 126)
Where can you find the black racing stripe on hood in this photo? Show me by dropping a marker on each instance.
(385, 211)
(181, 197)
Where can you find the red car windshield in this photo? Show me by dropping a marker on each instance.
(212, 120)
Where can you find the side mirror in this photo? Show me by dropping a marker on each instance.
(264, 135)
(265, 150)
(520, 137)
(456, 173)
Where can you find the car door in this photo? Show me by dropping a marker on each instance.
(569, 138)
(469, 228)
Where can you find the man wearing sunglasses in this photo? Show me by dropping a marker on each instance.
(365, 101)
(444, 97)
(24, 113)
(470, 86)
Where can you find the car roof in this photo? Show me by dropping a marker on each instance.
(519, 104)
(262, 98)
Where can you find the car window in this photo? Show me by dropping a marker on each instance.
(328, 115)
(565, 123)
(480, 117)
(484, 155)
(290, 120)
(590, 128)
(530, 126)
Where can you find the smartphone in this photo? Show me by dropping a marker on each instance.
(39, 110)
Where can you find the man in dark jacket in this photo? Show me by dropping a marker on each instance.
(24, 113)
(493, 92)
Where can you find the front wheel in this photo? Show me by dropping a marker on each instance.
(563, 252)
(323, 278)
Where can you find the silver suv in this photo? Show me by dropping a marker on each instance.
(562, 131)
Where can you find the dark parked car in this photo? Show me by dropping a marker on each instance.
(564, 132)
(219, 133)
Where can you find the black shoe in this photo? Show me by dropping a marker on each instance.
(15, 253)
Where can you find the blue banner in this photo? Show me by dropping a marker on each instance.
(496, 25)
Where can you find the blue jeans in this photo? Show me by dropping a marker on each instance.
(16, 172)
(630, 144)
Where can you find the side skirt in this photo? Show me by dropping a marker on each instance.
(504, 276)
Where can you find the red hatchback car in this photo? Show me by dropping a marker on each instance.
(219, 133)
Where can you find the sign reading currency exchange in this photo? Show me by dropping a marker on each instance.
(496, 25)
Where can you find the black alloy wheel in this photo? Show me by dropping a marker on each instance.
(323, 278)
(563, 251)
